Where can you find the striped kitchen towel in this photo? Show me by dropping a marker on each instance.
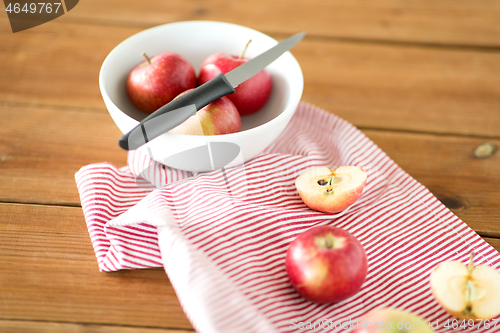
(222, 236)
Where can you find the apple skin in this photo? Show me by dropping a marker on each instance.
(152, 85)
(326, 264)
(216, 118)
(348, 184)
(395, 317)
(251, 95)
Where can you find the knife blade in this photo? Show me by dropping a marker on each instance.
(180, 109)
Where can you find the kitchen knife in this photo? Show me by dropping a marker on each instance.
(180, 109)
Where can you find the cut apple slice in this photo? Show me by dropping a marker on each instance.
(467, 292)
(331, 190)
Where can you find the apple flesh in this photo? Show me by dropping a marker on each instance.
(331, 190)
(326, 264)
(392, 320)
(251, 95)
(467, 292)
(216, 118)
(156, 81)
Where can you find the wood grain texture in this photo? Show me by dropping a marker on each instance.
(56, 64)
(16, 326)
(42, 148)
(409, 88)
(48, 272)
(447, 167)
(446, 22)
(495, 242)
(404, 88)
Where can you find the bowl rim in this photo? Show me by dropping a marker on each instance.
(293, 100)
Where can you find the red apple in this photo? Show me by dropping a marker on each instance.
(218, 117)
(156, 81)
(391, 320)
(331, 190)
(251, 95)
(326, 264)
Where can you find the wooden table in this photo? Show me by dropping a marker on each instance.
(421, 78)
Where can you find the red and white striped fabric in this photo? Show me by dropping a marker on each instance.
(222, 236)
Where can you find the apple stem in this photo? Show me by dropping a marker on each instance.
(470, 268)
(146, 56)
(244, 50)
(328, 244)
(471, 262)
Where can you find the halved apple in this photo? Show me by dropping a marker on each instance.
(467, 292)
(331, 190)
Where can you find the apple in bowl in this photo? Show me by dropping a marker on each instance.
(156, 81)
(326, 264)
(251, 95)
(331, 190)
(216, 118)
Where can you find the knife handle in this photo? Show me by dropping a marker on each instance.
(201, 96)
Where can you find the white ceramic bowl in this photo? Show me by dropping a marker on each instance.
(196, 40)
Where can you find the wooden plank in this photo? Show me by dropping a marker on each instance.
(48, 272)
(373, 86)
(43, 148)
(56, 64)
(447, 167)
(404, 88)
(423, 21)
(15, 326)
(495, 242)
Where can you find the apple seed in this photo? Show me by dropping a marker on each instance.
(322, 182)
